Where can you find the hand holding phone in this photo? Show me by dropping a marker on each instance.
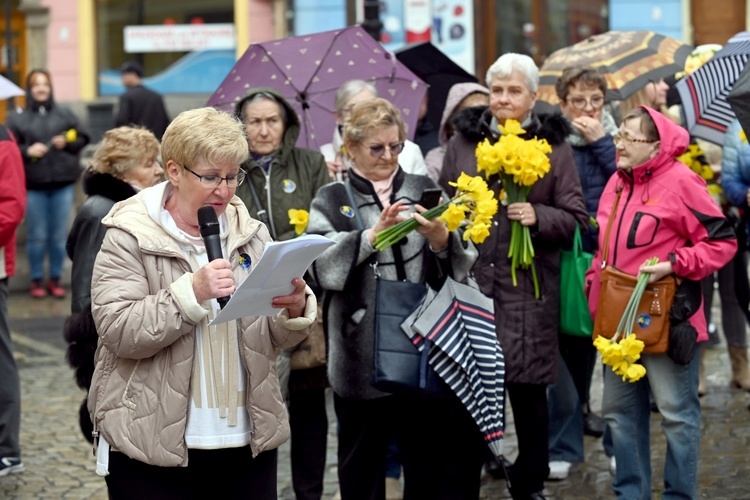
(430, 197)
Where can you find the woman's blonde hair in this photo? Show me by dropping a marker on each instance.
(372, 114)
(124, 148)
(204, 134)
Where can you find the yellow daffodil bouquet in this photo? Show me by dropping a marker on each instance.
(692, 158)
(623, 350)
(520, 163)
(473, 206)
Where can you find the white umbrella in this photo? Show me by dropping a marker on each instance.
(9, 89)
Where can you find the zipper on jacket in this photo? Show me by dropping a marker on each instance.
(247, 387)
(268, 197)
(619, 223)
(95, 435)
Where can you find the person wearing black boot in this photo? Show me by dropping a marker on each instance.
(527, 326)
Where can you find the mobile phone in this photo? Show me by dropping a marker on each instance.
(430, 197)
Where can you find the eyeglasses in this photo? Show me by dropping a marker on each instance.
(580, 103)
(379, 150)
(626, 140)
(214, 181)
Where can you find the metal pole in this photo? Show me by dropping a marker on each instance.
(9, 73)
(372, 24)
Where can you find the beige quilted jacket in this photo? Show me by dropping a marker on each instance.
(145, 312)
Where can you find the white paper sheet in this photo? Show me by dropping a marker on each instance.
(272, 276)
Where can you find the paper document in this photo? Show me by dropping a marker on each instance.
(272, 276)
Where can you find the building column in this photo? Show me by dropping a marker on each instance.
(37, 22)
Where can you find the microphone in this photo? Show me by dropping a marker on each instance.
(209, 227)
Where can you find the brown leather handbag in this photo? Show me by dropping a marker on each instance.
(652, 320)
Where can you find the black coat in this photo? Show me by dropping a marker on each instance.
(39, 122)
(527, 327)
(142, 106)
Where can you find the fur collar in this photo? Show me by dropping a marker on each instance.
(473, 124)
(95, 183)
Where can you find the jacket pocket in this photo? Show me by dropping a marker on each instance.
(643, 230)
(129, 395)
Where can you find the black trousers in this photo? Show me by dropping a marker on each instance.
(309, 423)
(229, 473)
(531, 468)
(579, 355)
(441, 447)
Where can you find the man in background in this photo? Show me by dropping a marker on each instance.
(140, 105)
(12, 208)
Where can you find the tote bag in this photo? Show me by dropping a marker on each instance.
(575, 318)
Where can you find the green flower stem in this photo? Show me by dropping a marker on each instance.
(388, 237)
(629, 316)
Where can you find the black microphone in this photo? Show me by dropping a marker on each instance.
(209, 226)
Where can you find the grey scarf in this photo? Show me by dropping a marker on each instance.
(576, 138)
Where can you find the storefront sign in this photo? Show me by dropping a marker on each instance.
(179, 37)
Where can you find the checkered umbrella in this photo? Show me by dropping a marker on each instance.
(704, 93)
(627, 59)
(458, 328)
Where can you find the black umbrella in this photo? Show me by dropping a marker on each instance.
(739, 99)
(437, 70)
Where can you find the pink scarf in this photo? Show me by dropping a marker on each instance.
(383, 189)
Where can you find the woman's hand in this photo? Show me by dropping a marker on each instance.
(590, 128)
(37, 150)
(523, 213)
(658, 270)
(58, 141)
(334, 167)
(213, 280)
(434, 230)
(390, 216)
(295, 302)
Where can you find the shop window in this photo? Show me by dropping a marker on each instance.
(183, 47)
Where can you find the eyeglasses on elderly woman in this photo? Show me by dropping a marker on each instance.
(626, 140)
(378, 150)
(580, 103)
(214, 181)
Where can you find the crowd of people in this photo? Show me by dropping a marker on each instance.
(174, 401)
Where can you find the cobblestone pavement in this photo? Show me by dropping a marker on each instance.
(60, 464)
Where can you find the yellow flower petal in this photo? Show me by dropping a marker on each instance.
(299, 219)
(511, 127)
(71, 135)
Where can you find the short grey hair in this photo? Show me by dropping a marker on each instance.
(507, 63)
(350, 89)
(265, 96)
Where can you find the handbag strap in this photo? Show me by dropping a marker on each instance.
(262, 213)
(397, 255)
(610, 223)
(577, 242)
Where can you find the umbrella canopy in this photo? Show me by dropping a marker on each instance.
(739, 99)
(9, 89)
(458, 328)
(309, 69)
(704, 93)
(437, 70)
(627, 59)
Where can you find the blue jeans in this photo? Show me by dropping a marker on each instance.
(626, 409)
(47, 214)
(565, 418)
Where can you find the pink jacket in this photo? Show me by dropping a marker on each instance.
(664, 211)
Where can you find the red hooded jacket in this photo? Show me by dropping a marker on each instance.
(12, 199)
(665, 211)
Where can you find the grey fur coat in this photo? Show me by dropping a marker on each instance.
(344, 272)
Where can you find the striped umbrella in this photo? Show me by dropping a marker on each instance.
(704, 93)
(458, 329)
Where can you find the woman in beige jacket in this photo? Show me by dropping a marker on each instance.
(176, 403)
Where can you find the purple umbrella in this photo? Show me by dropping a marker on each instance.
(308, 70)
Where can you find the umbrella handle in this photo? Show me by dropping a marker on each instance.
(389, 54)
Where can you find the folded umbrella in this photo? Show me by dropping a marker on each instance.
(309, 69)
(704, 93)
(458, 328)
(627, 59)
